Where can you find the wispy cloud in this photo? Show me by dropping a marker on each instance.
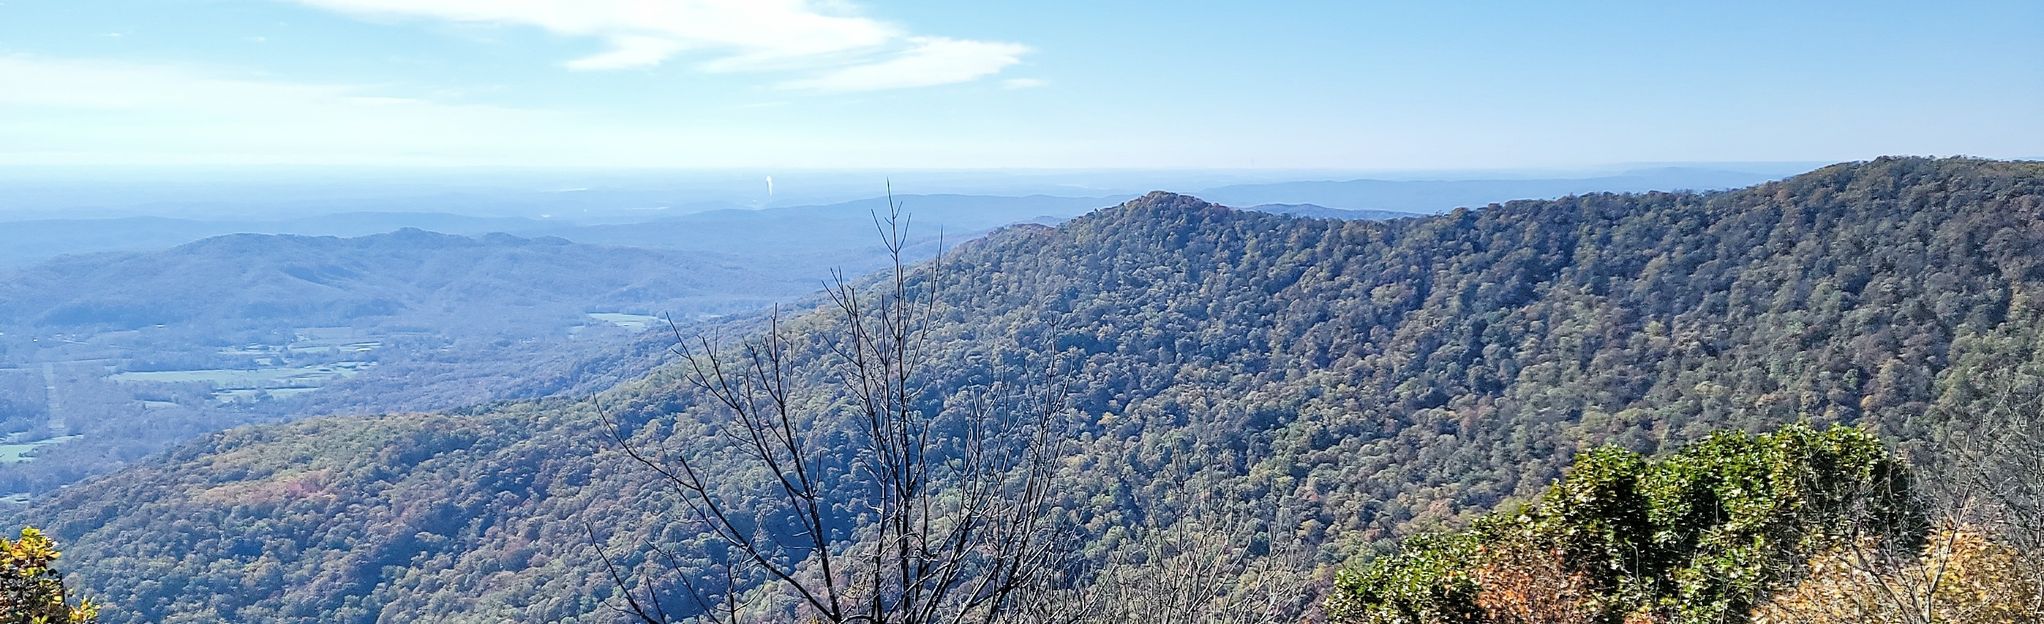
(931, 61)
(1024, 83)
(141, 109)
(628, 51)
(834, 47)
(58, 110)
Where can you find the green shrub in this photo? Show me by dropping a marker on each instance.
(1701, 536)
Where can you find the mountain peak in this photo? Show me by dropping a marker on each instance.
(1169, 203)
(1163, 199)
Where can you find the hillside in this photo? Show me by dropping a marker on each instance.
(1365, 379)
(257, 327)
(108, 357)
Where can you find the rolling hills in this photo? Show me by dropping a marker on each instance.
(838, 231)
(410, 274)
(1366, 379)
(113, 356)
(260, 327)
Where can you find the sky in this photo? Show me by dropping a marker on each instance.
(1047, 84)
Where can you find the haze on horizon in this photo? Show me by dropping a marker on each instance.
(1054, 312)
(792, 84)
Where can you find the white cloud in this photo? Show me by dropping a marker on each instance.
(1024, 83)
(116, 86)
(56, 111)
(930, 61)
(841, 49)
(627, 51)
(143, 111)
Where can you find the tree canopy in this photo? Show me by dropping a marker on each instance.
(31, 590)
(1346, 384)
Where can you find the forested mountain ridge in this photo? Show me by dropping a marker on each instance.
(1358, 380)
(1438, 196)
(334, 280)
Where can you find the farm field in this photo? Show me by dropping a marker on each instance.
(627, 321)
(12, 452)
(230, 384)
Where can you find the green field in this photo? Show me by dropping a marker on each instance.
(335, 346)
(225, 396)
(624, 320)
(276, 383)
(296, 377)
(16, 453)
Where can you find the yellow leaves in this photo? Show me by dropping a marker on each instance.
(1961, 576)
(31, 592)
(33, 550)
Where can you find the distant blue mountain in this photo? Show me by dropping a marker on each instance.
(26, 242)
(827, 233)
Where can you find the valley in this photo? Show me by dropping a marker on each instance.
(863, 312)
(123, 361)
(1354, 383)
(238, 328)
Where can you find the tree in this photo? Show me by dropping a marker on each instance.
(1960, 576)
(1983, 562)
(1525, 584)
(1992, 469)
(31, 590)
(950, 503)
(1701, 536)
(1211, 566)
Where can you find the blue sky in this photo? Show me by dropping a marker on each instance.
(1046, 84)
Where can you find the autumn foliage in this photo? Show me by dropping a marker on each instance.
(1701, 536)
(1959, 576)
(31, 591)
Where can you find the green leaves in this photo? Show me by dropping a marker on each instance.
(31, 591)
(1701, 536)
(1385, 376)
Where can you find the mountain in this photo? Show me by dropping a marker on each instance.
(1353, 381)
(828, 232)
(1436, 196)
(836, 234)
(109, 357)
(223, 331)
(27, 242)
(410, 274)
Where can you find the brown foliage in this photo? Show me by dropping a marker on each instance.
(1526, 584)
(1960, 576)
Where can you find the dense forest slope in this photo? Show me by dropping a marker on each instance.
(1358, 380)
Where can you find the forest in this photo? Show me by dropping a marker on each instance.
(1656, 407)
